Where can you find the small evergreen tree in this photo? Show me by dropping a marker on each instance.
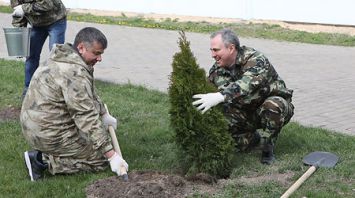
(205, 145)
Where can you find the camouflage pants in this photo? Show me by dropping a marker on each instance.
(73, 154)
(270, 117)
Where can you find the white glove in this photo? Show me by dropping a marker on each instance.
(18, 11)
(116, 163)
(207, 101)
(108, 120)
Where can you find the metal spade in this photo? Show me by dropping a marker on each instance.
(315, 159)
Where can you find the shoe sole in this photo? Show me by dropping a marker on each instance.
(28, 164)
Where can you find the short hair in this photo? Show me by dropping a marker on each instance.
(228, 37)
(89, 35)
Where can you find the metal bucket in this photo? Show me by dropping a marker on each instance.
(18, 41)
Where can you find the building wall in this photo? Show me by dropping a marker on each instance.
(309, 11)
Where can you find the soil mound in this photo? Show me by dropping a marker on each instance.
(149, 184)
(9, 113)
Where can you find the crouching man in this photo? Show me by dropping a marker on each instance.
(256, 101)
(62, 118)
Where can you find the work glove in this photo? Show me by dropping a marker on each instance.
(108, 120)
(207, 101)
(18, 11)
(116, 163)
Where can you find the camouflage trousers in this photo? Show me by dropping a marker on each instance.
(73, 154)
(267, 120)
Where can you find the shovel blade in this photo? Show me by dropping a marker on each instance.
(321, 159)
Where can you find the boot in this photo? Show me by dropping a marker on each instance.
(267, 154)
(35, 164)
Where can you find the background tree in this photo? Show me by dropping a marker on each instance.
(205, 145)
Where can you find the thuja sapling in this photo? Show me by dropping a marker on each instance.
(205, 145)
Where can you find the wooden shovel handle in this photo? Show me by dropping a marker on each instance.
(116, 146)
(299, 182)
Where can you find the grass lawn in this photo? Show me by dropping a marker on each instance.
(147, 143)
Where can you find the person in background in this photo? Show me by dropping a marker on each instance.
(47, 19)
(62, 117)
(255, 99)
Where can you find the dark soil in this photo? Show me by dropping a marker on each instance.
(9, 113)
(150, 184)
(153, 184)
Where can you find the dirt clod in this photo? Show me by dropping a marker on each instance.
(148, 184)
(9, 113)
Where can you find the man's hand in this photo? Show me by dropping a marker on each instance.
(18, 11)
(207, 101)
(108, 120)
(116, 163)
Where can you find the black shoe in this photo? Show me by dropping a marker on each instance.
(267, 155)
(35, 164)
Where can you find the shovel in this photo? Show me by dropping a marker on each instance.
(315, 159)
(116, 147)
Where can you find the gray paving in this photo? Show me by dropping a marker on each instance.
(322, 77)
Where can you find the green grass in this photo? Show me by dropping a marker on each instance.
(266, 31)
(146, 142)
(6, 9)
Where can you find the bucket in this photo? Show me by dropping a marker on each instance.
(18, 41)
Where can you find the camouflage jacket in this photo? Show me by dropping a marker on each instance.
(61, 102)
(250, 81)
(39, 12)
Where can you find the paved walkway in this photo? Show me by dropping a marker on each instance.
(322, 77)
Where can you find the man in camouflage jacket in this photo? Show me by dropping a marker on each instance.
(47, 18)
(256, 102)
(61, 112)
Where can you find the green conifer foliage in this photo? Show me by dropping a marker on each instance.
(205, 145)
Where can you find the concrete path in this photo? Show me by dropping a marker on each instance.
(322, 77)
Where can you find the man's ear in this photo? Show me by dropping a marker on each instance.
(232, 48)
(81, 48)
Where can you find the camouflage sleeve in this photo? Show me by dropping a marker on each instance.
(80, 101)
(38, 7)
(98, 103)
(255, 77)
